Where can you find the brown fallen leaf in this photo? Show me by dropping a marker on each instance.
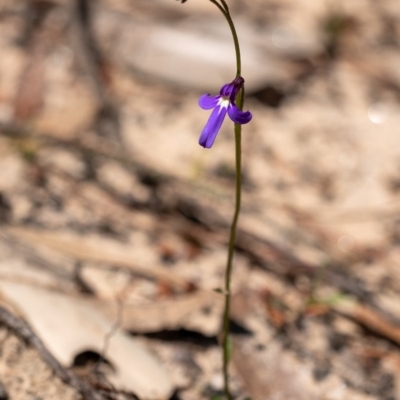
(369, 318)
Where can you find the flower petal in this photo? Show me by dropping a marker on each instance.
(212, 127)
(238, 116)
(207, 102)
(226, 90)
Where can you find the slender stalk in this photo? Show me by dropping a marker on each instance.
(228, 272)
(225, 11)
(232, 236)
(226, 8)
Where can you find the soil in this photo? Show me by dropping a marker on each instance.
(106, 196)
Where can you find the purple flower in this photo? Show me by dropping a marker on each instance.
(222, 104)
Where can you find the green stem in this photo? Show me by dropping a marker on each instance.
(225, 11)
(228, 274)
(232, 237)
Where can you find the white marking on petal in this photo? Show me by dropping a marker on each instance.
(223, 102)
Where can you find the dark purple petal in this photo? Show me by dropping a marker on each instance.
(226, 90)
(231, 90)
(238, 116)
(207, 102)
(212, 127)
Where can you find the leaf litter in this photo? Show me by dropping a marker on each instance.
(142, 225)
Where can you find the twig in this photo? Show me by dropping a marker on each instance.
(114, 329)
(83, 42)
(368, 318)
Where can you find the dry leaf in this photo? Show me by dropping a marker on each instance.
(71, 326)
(200, 312)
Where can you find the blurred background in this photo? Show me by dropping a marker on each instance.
(114, 219)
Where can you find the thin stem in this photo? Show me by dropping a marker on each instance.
(232, 236)
(228, 274)
(225, 11)
(222, 9)
(223, 2)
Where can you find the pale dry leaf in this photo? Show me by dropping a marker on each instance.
(200, 311)
(70, 326)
